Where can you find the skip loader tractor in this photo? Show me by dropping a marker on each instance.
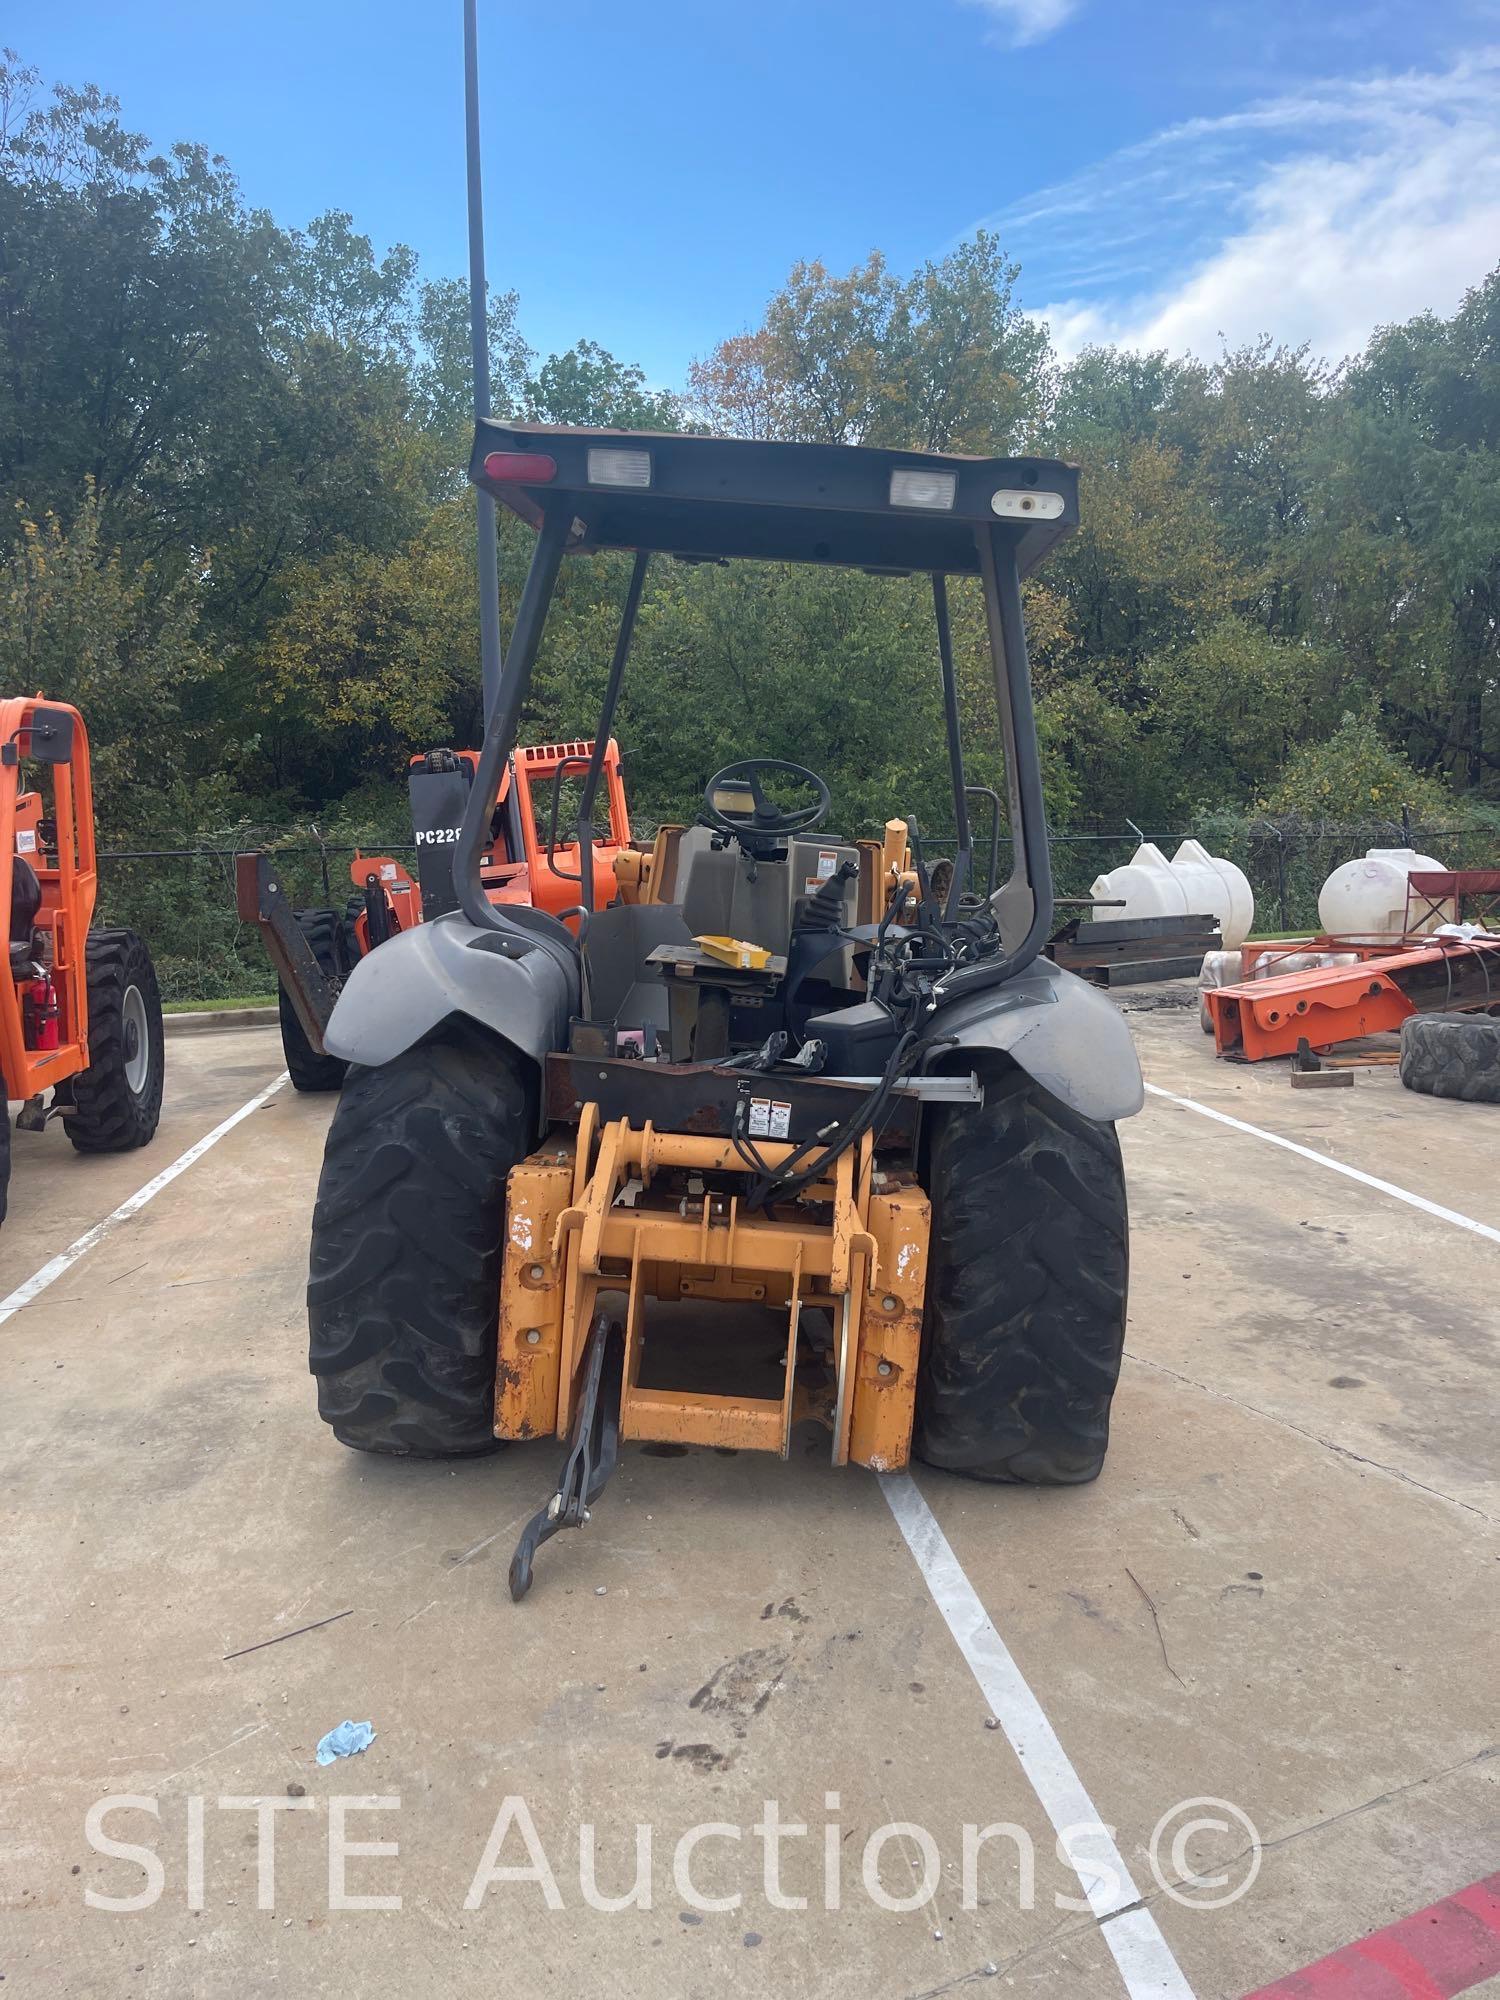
(777, 1074)
(80, 1013)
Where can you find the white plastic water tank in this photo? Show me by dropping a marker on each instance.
(1194, 883)
(1366, 900)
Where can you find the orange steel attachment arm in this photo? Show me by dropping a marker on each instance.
(630, 1210)
(1268, 1017)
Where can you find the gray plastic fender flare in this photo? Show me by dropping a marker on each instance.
(521, 986)
(1065, 1033)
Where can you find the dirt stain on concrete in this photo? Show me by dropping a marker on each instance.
(742, 1686)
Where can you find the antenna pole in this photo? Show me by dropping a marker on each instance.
(489, 567)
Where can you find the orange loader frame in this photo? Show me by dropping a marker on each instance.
(59, 846)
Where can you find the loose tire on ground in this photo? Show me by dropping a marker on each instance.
(1452, 1055)
(330, 938)
(1026, 1290)
(404, 1283)
(117, 1099)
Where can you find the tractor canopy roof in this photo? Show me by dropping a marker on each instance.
(708, 498)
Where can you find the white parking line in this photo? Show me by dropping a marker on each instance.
(1145, 1960)
(1335, 1166)
(53, 1269)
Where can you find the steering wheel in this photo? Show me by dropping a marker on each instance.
(735, 802)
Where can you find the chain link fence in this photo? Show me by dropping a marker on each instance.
(1286, 860)
(180, 896)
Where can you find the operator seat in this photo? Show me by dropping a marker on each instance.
(724, 893)
(25, 903)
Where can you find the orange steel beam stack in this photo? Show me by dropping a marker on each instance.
(1269, 1017)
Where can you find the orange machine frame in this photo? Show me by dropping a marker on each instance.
(69, 880)
(1342, 1003)
(551, 889)
(618, 1207)
(532, 877)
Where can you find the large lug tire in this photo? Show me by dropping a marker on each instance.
(1028, 1272)
(403, 1289)
(117, 1099)
(331, 940)
(1452, 1055)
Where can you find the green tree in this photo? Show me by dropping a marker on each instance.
(1108, 398)
(968, 367)
(942, 361)
(588, 386)
(445, 367)
(1230, 706)
(1354, 775)
(372, 657)
(1247, 429)
(79, 624)
(1414, 465)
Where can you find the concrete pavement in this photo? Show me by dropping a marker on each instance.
(1281, 1594)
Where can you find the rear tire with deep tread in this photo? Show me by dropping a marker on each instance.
(117, 1099)
(331, 940)
(1452, 1055)
(404, 1283)
(1026, 1290)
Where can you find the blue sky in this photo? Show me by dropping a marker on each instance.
(1166, 173)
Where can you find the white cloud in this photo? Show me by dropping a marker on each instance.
(1315, 216)
(1023, 21)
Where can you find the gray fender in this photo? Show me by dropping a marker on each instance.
(520, 985)
(1066, 1034)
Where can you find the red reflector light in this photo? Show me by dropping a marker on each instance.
(520, 468)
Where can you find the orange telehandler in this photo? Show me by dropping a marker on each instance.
(80, 1013)
(528, 862)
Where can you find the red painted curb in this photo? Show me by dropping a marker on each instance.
(1442, 1950)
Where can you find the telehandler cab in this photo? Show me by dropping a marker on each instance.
(777, 1072)
(527, 858)
(80, 1014)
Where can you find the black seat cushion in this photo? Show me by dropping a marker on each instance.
(25, 899)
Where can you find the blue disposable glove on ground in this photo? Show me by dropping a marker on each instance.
(345, 1741)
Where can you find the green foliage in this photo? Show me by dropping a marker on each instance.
(445, 364)
(77, 624)
(942, 361)
(742, 661)
(1408, 546)
(371, 656)
(1233, 703)
(588, 386)
(1355, 774)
